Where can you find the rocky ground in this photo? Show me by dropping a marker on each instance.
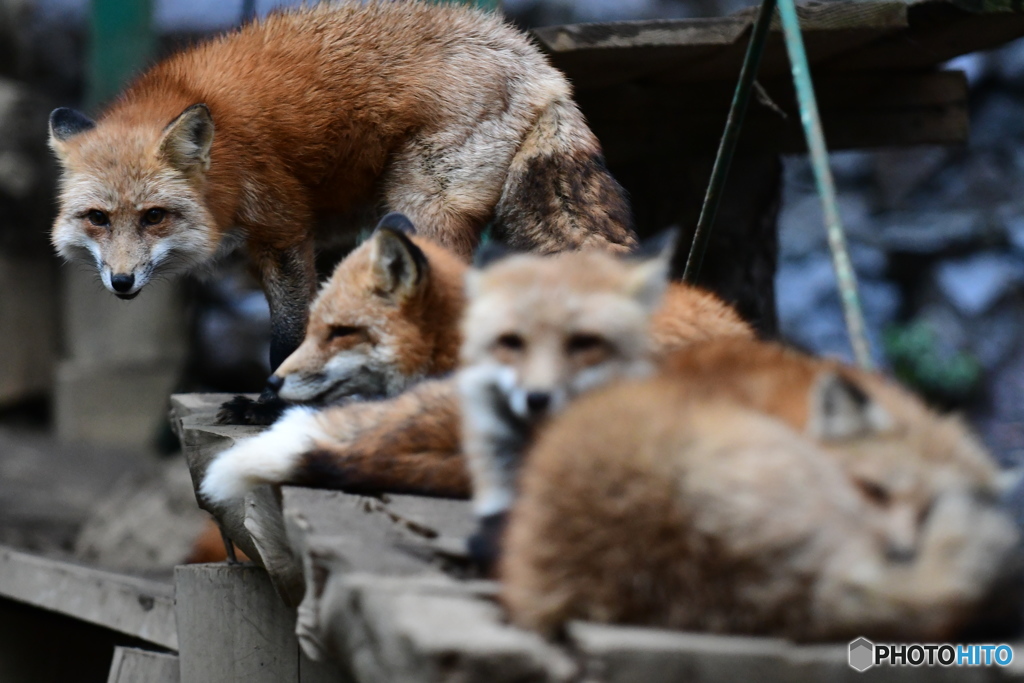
(937, 239)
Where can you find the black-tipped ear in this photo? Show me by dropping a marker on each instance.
(398, 222)
(66, 122)
(188, 139)
(839, 409)
(490, 253)
(399, 266)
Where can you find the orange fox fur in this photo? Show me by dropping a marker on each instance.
(443, 112)
(753, 489)
(387, 318)
(394, 445)
(399, 330)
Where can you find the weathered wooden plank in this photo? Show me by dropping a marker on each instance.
(865, 110)
(399, 630)
(140, 608)
(131, 665)
(938, 31)
(254, 523)
(232, 626)
(618, 654)
(842, 36)
(336, 533)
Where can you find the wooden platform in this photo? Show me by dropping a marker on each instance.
(660, 89)
(383, 596)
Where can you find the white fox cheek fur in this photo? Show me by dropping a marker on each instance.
(266, 458)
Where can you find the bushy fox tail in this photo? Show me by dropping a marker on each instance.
(407, 444)
(558, 194)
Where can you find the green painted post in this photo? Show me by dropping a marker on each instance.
(489, 5)
(121, 42)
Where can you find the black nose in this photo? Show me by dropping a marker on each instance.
(122, 283)
(275, 382)
(537, 402)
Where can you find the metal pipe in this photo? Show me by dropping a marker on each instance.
(727, 146)
(845, 276)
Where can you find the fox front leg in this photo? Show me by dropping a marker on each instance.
(288, 277)
(289, 281)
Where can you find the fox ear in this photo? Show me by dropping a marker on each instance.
(398, 222)
(839, 409)
(187, 140)
(399, 266)
(646, 282)
(65, 123)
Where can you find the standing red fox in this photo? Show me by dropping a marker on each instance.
(444, 113)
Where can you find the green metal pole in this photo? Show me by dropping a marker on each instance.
(727, 146)
(121, 41)
(489, 5)
(811, 120)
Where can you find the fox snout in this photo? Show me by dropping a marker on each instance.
(534, 404)
(125, 283)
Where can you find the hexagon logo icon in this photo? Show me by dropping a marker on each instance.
(862, 654)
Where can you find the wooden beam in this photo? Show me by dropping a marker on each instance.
(233, 627)
(126, 604)
(864, 110)
(132, 665)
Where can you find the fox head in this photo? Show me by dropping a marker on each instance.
(540, 330)
(387, 317)
(907, 463)
(132, 195)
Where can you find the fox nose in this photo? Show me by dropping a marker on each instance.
(537, 402)
(122, 283)
(275, 382)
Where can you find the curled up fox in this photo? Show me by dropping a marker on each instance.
(442, 112)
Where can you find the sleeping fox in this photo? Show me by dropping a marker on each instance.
(752, 489)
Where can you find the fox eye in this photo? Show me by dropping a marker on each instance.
(339, 331)
(154, 216)
(511, 342)
(873, 492)
(581, 343)
(98, 218)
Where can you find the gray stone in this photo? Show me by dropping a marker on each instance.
(975, 283)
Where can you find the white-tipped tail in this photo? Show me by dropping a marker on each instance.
(269, 458)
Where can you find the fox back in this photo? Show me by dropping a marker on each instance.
(751, 489)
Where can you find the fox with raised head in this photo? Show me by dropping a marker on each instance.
(752, 489)
(412, 443)
(443, 112)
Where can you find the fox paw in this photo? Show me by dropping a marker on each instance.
(268, 458)
(242, 410)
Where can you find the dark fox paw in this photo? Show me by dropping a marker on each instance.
(242, 410)
(484, 544)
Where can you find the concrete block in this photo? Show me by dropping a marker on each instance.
(123, 404)
(28, 326)
(99, 328)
